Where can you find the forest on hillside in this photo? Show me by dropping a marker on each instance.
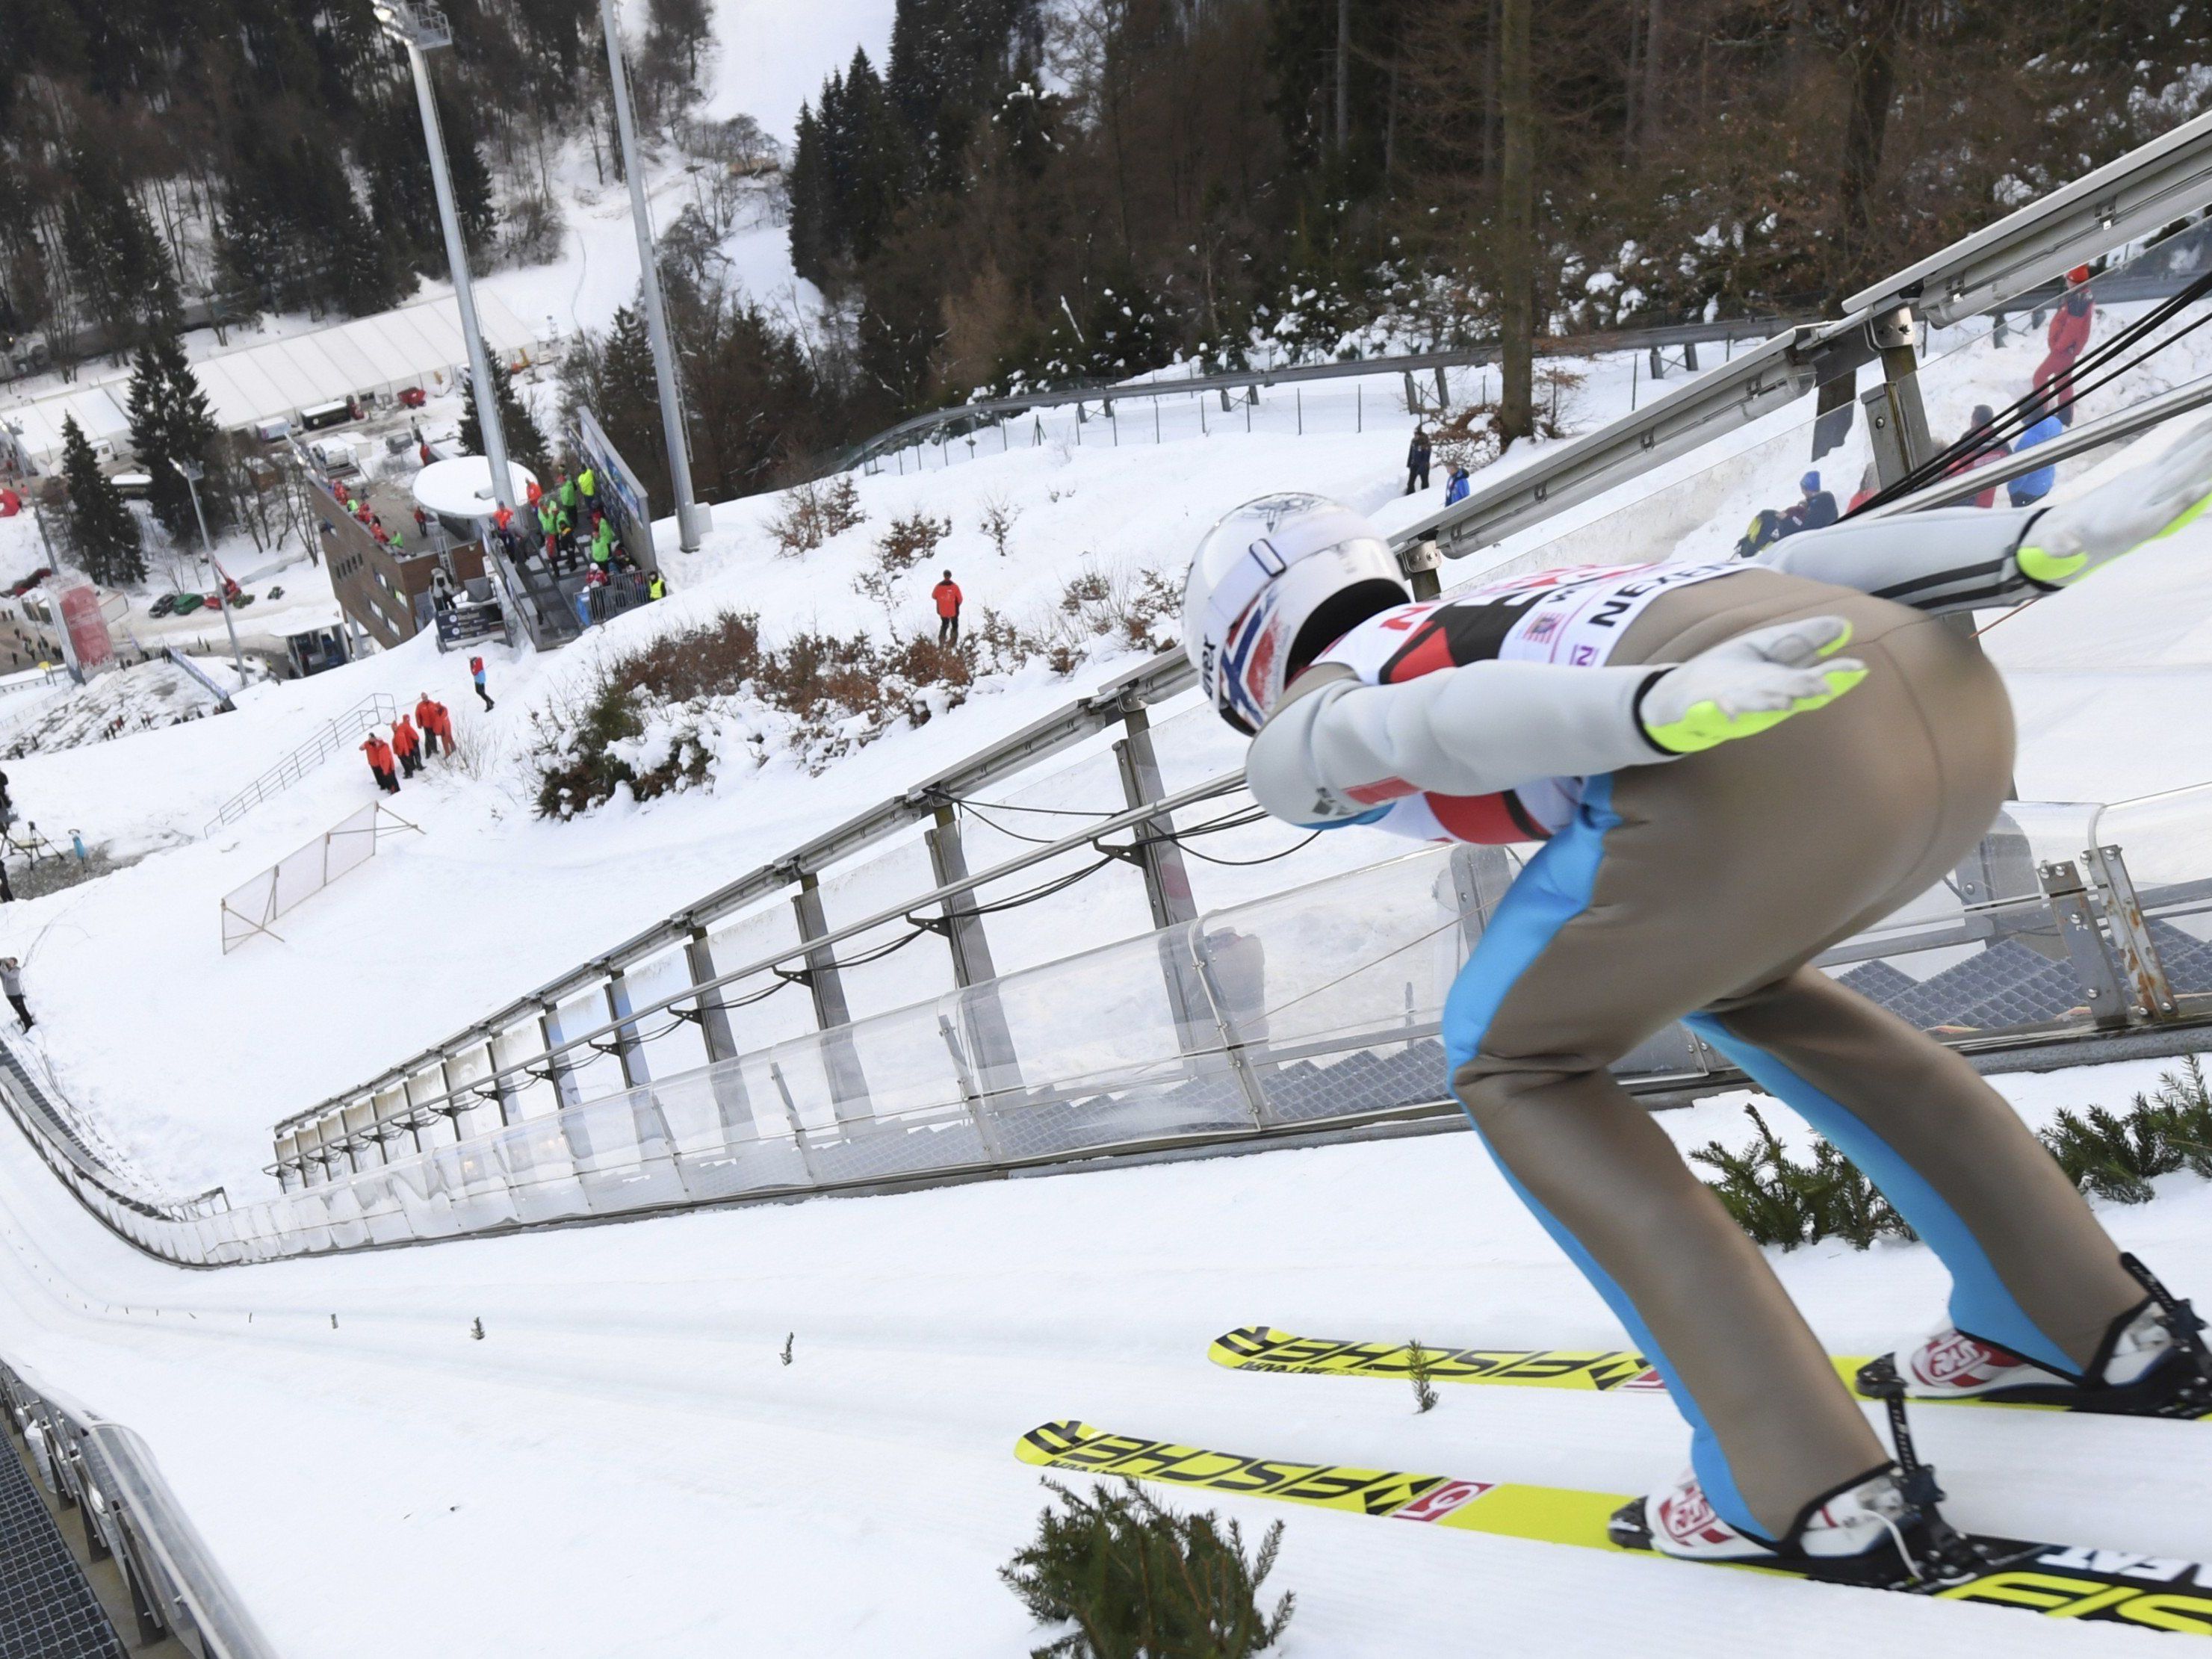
(1033, 191)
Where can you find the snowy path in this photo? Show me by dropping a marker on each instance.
(624, 1465)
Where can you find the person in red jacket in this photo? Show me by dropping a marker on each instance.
(407, 745)
(947, 595)
(2067, 336)
(380, 762)
(430, 718)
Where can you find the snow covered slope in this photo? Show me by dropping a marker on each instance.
(623, 1465)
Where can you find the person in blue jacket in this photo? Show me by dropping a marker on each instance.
(1455, 491)
(2031, 487)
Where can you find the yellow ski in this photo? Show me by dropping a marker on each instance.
(2057, 1581)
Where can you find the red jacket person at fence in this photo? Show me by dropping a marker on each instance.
(380, 762)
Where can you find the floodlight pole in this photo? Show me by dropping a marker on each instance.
(418, 27)
(656, 318)
(192, 475)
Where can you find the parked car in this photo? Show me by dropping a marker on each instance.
(31, 582)
(413, 397)
(186, 604)
(163, 606)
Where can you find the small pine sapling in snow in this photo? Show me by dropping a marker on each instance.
(789, 1337)
(1137, 1580)
(1422, 1377)
(998, 521)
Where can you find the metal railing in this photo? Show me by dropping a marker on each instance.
(1314, 1010)
(107, 1475)
(334, 735)
(992, 412)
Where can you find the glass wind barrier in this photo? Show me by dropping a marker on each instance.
(1315, 1007)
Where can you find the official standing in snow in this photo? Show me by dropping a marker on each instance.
(428, 717)
(408, 746)
(381, 763)
(947, 595)
(11, 981)
(1417, 461)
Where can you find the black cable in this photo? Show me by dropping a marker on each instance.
(1011, 834)
(1238, 863)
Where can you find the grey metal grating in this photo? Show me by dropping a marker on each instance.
(47, 1609)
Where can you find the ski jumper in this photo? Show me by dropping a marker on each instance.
(1698, 890)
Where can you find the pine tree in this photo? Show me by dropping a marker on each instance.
(526, 444)
(100, 520)
(120, 263)
(171, 421)
(806, 184)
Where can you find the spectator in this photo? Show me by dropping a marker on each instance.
(1815, 509)
(1870, 485)
(947, 595)
(588, 487)
(422, 523)
(1456, 489)
(565, 488)
(595, 593)
(1417, 461)
(476, 673)
(1989, 447)
(603, 540)
(11, 981)
(441, 589)
(534, 492)
(2031, 487)
(407, 745)
(431, 718)
(2067, 336)
(655, 587)
(381, 763)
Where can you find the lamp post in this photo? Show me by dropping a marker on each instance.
(656, 318)
(419, 27)
(193, 473)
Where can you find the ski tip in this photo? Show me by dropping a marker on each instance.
(1234, 1348)
(1047, 1444)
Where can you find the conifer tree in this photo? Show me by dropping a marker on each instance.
(171, 421)
(526, 444)
(100, 520)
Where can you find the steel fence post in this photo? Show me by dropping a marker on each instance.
(2150, 992)
(733, 1105)
(991, 1039)
(2085, 944)
(848, 1086)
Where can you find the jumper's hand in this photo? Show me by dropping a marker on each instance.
(2121, 515)
(1745, 685)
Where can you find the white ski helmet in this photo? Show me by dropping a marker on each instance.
(1276, 583)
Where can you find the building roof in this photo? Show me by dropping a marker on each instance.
(418, 344)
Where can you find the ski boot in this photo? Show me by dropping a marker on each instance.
(2152, 1363)
(1873, 1533)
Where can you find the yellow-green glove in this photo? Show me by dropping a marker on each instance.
(1748, 685)
(2143, 504)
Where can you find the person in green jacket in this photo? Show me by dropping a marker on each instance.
(602, 541)
(566, 488)
(587, 483)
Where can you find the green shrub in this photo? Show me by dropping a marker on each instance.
(1778, 1200)
(1140, 1581)
(2117, 1154)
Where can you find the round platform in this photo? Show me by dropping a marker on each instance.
(461, 490)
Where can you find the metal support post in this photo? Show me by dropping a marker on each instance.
(2085, 945)
(2150, 992)
(502, 1092)
(989, 1039)
(417, 27)
(1443, 390)
(848, 1086)
(1420, 561)
(1891, 335)
(1167, 884)
(627, 1049)
(688, 518)
(1480, 876)
(731, 1103)
(565, 1092)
